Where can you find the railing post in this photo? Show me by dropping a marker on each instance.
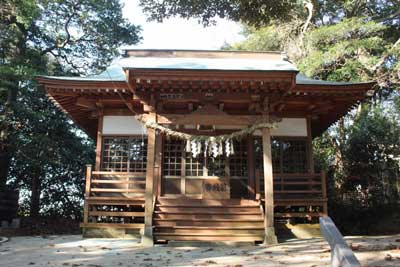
(87, 193)
(257, 188)
(324, 194)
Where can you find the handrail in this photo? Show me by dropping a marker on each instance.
(133, 174)
(341, 254)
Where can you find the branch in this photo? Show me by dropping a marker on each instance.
(385, 56)
(67, 39)
(310, 7)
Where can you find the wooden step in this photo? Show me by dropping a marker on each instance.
(212, 220)
(213, 227)
(242, 238)
(192, 231)
(208, 210)
(208, 223)
(205, 202)
(209, 217)
(115, 201)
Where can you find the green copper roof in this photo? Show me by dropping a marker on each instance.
(115, 72)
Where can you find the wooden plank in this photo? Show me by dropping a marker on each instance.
(116, 213)
(185, 201)
(208, 212)
(246, 238)
(297, 191)
(297, 183)
(113, 225)
(238, 120)
(213, 233)
(228, 220)
(87, 193)
(116, 182)
(131, 174)
(302, 199)
(213, 227)
(117, 190)
(210, 217)
(298, 214)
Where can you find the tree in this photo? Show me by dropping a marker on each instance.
(255, 12)
(349, 41)
(55, 38)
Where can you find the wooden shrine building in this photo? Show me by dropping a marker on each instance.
(202, 145)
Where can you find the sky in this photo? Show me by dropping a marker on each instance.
(177, 33)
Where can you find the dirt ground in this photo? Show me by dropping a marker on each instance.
(73, 251)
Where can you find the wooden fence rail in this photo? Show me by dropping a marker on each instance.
(341, 254)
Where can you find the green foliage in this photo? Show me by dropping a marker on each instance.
(254, 12)
(41, 151)
(350, 41)
(353, 46)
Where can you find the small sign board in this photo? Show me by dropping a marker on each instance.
(216, 189)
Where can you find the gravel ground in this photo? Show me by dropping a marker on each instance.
(73, 251)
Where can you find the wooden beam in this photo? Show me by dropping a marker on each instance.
(85, 103)
(239, 120)
(147, 237)
(270, 237)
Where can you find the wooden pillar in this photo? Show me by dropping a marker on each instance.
(87, 193)
(99, 141)
(250, 165)
(158, 165)
(147, 237)
(270, 237)
(310, 155)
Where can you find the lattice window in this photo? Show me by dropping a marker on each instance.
(288, 156)
(238, 161)
(172, 160)
(216, 166)
(294, 156)
(124, 154)
(194, 166)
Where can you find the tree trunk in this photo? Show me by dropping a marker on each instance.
(35, 195)
(6, 135)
